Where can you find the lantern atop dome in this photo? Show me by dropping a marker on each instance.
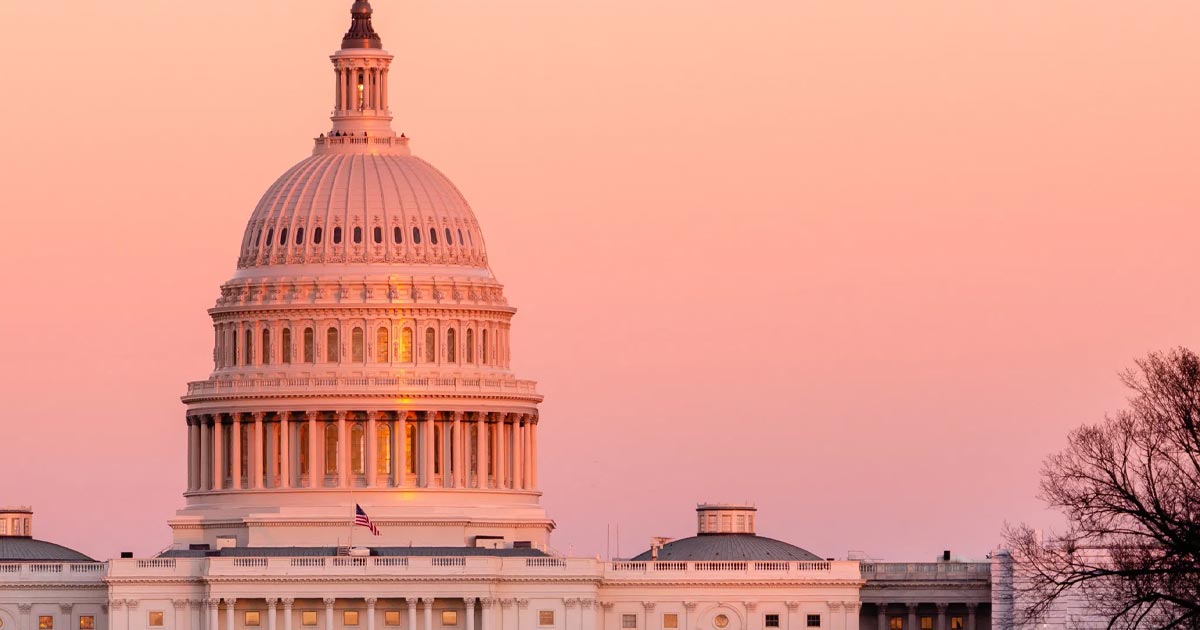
(361, 34)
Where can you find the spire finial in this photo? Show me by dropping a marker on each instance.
(361, 33)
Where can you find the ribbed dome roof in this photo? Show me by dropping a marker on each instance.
(729, 547)
(17, 549)
(357, 208)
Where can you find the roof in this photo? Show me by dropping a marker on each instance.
(296, 552)
(21, 549)
(729, 547)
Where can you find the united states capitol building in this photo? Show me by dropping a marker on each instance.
(361, 356)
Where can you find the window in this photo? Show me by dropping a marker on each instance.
(383, 449)
(397, 235)
(449, 618)
(628, 621)
(410, 445)
(234, 347)
(270, 235)
(416, 236)
(451, 346)
(378, 234)
(283, 237)
(895, 623)
(356, 345)
(470, 346)
(303, 447)
(356, 448)
(485, 347)
(248, 340)
(310, 354)
(545, 617)
(45, 622)
(357, 239)
(337, 235)
(154, 619)
(437, 447)
(331, 449)
(308, 618)
(814, 621)
(430, 346)
(449, 239)
(253, 618)
(87, 622)
(300, 236)
(460, 239)
(258, 237)
(926, 623)
(349, 617)
(721, 621)
(285, 350)
(382, 345)
(391, 617)
(317, 236)
(670, 621)
(406, 346)
(266, 347)
(956, 623)
(433, 236)
(331, 345)
(771, 621)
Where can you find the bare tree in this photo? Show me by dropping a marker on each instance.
(1130, 490)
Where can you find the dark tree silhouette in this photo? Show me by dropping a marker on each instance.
(1130, 490)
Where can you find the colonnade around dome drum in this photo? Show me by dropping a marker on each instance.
(239, 451)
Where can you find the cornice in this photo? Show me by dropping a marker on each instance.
(733, 583)
(99, 583)
(529, 398)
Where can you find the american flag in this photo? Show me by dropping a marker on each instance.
(361, 518)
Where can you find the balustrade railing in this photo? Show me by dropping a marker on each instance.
(67, 571)
(447, 384)
(926, 570)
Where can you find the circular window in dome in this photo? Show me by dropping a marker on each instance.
(721, 621)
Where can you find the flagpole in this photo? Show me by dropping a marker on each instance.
(354, 514)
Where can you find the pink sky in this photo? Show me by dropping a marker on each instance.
(861, 263)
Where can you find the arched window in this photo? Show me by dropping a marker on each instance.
(460, 238)
(470, 238)
(451, 346)
(357, 235)
(397, 235)
(331, 345)
(410, 446)
(337, 236)
(244, 454)
(248, 341)
(449, 239)
(356, 345)
(433, 236)
(258, 237)
(470, 346)
(357, 447)
(383, 344)
(416, 236)
(430, 346)
(303, 448)
(270, 235)
(437, 448)
(406, 346)
(378, 234)
(285, 350)
(331, 449)
(283, 237)
(484, 349)
(317, 233)
(265, 357)
(383, 449)
(299, 236)
(310, 354)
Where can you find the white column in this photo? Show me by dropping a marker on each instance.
(400, 450)
(285, 450)
(501, 450)
(427, 447)
(533, 453)
(852, 615)
(315, 467)
(257, 456)
(214, 614)
(485, 609)
(328, 613)
(235, 453)
(412, 612)
(469, 603)
(459, 451)
(218, 451)
(271, 601)
(191, 454)
(206, 476)
(230, 622)
(481, 456)
(427, 602)
(343, 451)
(371, 613)
(971, 615)
(287, 612)
(941, 616)
(370, 467)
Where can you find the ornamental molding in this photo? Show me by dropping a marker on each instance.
(792, 605)
(25, 608)
(98, 584)
(342, 521)
(66, 608)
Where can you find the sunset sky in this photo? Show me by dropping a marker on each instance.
(863, 264)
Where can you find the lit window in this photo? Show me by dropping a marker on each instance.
(545, 617)
(383, 449)
(956, 623)
(154, 619)
(356, 345)
(87, 622)
(331, 345)
(896, 623)
(331, 449)
(349, 617)
(378, 233)
(45, 622)
(430, 345)
(451, 346)
(926, 623)
(391, 617)
(433, 236)
(357, 234)
(308, 618)
(814, 621)
(356, 448)
(449, 618)
(317, 236)
(253, 618)
(382, 345)
(771, 621)
(628, 621)
(337, 235)
(397, 235)
(406, 346)
(670, 621)
(416, 236)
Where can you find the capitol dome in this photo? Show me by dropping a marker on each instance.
(361, 355)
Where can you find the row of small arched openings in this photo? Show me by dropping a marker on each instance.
(242, 353)
(357, 235)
